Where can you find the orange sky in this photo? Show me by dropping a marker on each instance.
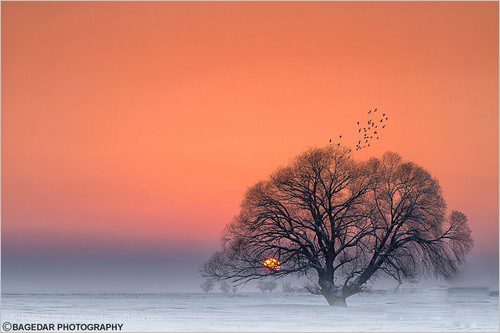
(127, 122)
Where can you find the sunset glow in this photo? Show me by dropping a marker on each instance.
(131, 131)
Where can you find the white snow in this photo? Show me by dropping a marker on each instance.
(435, 309)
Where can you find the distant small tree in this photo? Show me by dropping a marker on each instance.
(302, 290)
(234, 288)
(267, 286)
(207, 285)
(287, 287)
(225, 287)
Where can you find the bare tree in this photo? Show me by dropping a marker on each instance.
(287, 287)
(207, 285)
(234, 288)
(225, 287)
(267, 286)
(343, 223)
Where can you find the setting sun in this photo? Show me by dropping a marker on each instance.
(272, 264)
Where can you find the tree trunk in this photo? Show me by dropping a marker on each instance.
(335, 300)
(334, 295)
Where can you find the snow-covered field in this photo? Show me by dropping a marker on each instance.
(435, 309)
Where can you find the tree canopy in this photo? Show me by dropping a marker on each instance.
(344, 221)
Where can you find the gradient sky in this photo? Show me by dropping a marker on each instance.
(130, 131)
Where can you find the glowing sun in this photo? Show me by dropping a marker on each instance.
(272, 264)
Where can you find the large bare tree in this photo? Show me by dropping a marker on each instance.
(343, 222)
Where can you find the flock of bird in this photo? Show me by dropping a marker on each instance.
(370, 131)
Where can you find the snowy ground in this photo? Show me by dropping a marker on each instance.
(436, 309)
